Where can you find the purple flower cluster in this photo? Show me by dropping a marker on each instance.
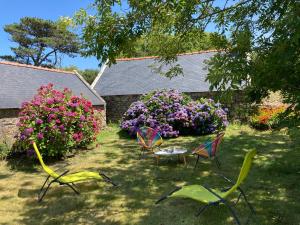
(174, 113)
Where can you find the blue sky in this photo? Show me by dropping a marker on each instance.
(12, 10)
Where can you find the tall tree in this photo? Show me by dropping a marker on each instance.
(261, 51)
(41, 42)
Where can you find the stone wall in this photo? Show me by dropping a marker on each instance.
(101, 112)
(9, 113)
(236, 105)
(8, 128)
(117, 105)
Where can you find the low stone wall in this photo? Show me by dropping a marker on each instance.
(101, 113)
(9, 113)
(117, 105)
(8, 128)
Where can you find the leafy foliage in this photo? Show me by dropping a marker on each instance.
(40, 42)
(150, 45)
(267, 118)
(258, 39)
(57, 122)
(88, 74)
(173, 113)
(4, 151)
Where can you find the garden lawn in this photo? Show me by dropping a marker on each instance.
(273, 186)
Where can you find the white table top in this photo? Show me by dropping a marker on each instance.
(171, 151)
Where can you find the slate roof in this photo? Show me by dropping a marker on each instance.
(19, 83)
(136, 76)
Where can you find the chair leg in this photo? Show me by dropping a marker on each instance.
(233, 213)
(242, 193)
(218, 162)
(44, 184)
(249, 205)
(107, 179)
(141, 154)
(196, 162)
(246, 199)
(73, 188)
(201, 210)
(40, 198)
(157, 160)
(238, 199)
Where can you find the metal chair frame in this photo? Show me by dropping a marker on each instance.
(44, 190)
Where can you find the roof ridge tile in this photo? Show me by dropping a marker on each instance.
(155, 57)
(35, 67)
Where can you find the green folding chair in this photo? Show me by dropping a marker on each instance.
(213, 197)
(66, 179)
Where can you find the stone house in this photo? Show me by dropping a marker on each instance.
(19, 83)
(124, 82)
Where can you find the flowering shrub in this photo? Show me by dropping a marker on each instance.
(173, 113)
(267, 118)
(57, 122)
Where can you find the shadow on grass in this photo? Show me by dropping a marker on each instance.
(124, 135)
(272, 186)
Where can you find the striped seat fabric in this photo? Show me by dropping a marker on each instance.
(148, 138)
(209, 149)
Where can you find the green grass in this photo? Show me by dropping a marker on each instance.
(273, 186)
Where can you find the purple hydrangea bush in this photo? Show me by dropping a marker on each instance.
(174, 113)
(57, 121)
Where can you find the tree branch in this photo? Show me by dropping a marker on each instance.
(200, 17)
(46, 56)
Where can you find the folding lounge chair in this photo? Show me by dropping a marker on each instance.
(209, 150)
(213, 197)
(66, 179)
(148, 139)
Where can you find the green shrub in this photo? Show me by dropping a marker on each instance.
(267, 118)
(4, 151)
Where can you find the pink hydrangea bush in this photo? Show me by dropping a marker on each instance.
(57, 121)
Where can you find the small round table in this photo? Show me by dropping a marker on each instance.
(172, 151)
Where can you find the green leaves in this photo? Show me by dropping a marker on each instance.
(259, 39)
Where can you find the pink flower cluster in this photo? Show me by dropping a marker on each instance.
(57, 121)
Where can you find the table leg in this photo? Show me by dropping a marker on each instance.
(157, 159)
(184, 160)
